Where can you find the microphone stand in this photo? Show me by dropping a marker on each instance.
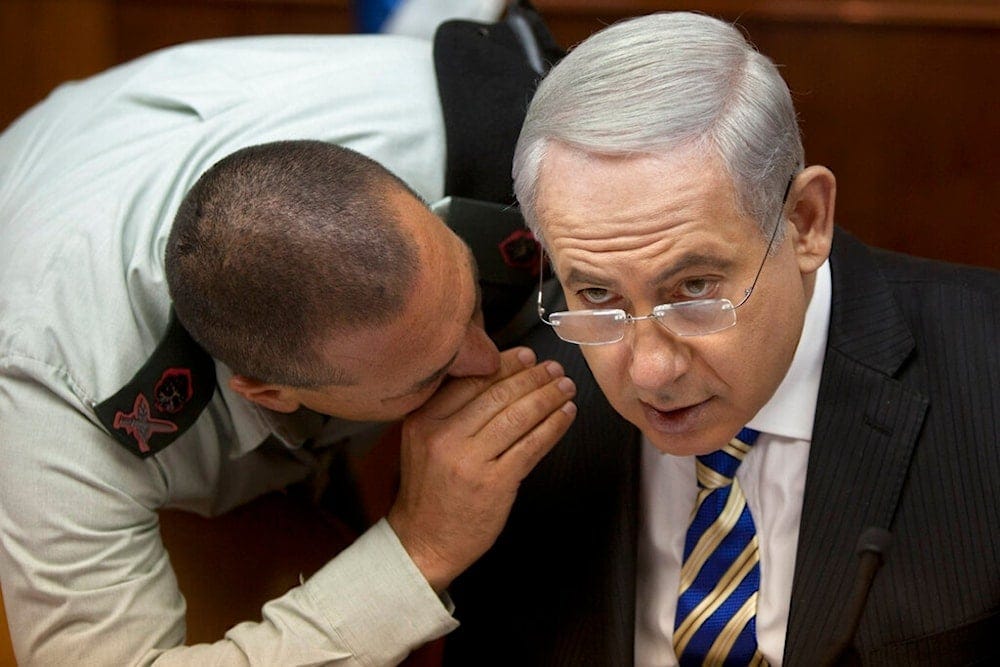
(873, 545)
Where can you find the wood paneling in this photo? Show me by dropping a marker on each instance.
(6, 650)
(46, 42)
(898, 97)
(957, 13)
(145, 25)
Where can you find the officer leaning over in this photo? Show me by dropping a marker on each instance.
(175, 334)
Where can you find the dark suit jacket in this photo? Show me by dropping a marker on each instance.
(907, 437)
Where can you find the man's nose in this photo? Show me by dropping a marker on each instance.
(477, 356)
(658, 357)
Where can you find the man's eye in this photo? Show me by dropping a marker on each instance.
(698, 288)
(595, 295)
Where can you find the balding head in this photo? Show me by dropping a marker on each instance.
(279, 245)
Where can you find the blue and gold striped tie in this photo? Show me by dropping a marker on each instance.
(717, 604)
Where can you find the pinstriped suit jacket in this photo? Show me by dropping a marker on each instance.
(907, 437)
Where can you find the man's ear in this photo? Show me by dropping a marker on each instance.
(810, 210)
(275, 397)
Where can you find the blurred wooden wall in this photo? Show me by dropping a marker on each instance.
(898, 97)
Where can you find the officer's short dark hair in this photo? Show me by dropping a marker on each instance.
(280, 245)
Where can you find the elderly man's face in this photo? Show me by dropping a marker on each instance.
(634, 232)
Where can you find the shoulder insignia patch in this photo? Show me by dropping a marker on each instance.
(164, 398)
(141, 425)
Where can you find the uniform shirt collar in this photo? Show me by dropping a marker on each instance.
(252, 424)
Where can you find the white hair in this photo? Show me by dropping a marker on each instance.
(661, 83)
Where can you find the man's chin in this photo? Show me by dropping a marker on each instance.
(691, 442)
(681, 445)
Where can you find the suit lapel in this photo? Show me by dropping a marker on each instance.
(865, 430)
(622, 560)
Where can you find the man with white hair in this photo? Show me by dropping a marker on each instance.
(795, 400)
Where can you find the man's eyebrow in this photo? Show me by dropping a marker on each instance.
(433, 377)
(420, 385)
(342, 378)
(686, 262)
(694, 260)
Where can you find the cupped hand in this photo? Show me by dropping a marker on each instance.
(465, 452)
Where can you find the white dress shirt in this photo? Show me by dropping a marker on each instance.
(772, 476)
(90, 181)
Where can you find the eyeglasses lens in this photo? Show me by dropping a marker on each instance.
(599, 327)
(697, 318)
(590, 327)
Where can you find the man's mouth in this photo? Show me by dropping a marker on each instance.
(677, 420)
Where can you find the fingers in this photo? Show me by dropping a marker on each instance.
(504, 397)
(464, 455)
(457, 393)
(512, 409)
(523, 455)
(500, 410)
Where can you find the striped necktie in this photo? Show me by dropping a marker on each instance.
(717, 604)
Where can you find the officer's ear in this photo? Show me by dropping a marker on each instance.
(275, 397)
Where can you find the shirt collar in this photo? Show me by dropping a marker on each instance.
(791, 410)
(252, 424)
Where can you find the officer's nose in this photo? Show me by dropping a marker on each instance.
(477, 356)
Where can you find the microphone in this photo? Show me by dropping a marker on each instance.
(873, 545)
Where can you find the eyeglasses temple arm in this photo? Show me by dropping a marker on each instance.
(774, 234)
(541, 282)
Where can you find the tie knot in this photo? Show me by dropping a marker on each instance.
(716, 470)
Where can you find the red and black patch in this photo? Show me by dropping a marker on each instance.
(141, 425)
(520, 251)
(506, 254)
(164, 398)
(173, 390)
